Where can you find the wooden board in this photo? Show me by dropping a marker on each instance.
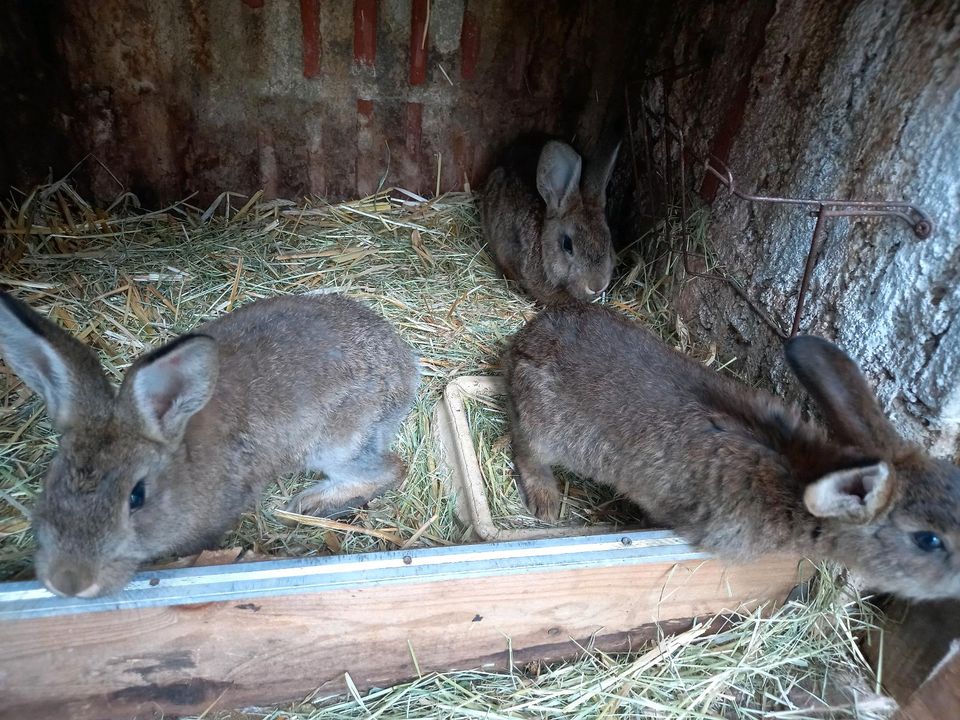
(913, 640)
(282, 629)
(939, 697)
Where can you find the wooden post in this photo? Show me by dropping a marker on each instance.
(180, 641)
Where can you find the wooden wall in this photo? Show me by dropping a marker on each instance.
(317, 96)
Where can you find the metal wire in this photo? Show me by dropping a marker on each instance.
(823, 209)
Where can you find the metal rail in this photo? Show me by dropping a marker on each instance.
(246, 581)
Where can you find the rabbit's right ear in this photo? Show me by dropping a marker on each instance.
(857, 494)
(171, 384)
(59, 368)
(558, 175)
(849, 406)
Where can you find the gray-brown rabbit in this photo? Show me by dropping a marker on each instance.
(732, 469)
(544, 224)
(169, 462)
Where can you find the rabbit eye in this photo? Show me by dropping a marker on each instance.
(567, 244)
(137, 496)
(928, 541)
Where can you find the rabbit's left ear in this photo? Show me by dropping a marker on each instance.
(55, 365)
(856, 494)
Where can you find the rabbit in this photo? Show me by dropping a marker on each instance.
(544, 224)
(166, 464)
(732, 469)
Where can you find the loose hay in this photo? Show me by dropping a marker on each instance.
(801, 662)
(123, 280)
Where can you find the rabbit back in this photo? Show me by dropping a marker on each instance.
(336, 367)
(603, 397)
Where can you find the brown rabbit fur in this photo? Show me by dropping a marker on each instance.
(543, 220)
(169, 462)
(730, 468)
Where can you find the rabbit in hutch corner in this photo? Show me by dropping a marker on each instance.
(543, 219)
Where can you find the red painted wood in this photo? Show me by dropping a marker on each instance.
(419, 10)
(413, 132)
(310, 22)
(365, 31)
(367, 160)
(732, 119)
(469, 44)
(462, 155)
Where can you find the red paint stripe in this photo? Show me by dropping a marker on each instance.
(418, 41)
(255, 4)
(469, 45)
(310, 21)
(365, 171)
(414, 129)
(365, 31)
(461, 159)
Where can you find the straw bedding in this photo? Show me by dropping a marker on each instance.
(124, 280)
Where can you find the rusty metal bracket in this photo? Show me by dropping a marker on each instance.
(819, 208)
(915, 217)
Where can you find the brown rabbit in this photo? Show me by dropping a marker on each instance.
(169, 462)
(544, 224)
(732, 469)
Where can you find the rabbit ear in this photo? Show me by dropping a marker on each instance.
(598, 177)
(857, 494)
(848, 404)
(168, 386)
(558, 174)
(59, 368)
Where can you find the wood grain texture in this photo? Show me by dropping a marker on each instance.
(915, 638)
(939, 697)
(182, 659)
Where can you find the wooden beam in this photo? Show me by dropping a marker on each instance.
(179, 641)
(913, 639)
(939, 697)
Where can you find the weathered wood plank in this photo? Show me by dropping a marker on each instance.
(181, 658)
(915, 638)
(939, 697)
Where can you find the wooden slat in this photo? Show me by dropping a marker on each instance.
(181, 658)
(939, 697)
(914, 638)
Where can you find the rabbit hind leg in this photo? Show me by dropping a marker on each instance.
(350, 482)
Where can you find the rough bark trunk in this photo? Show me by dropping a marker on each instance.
(843, 100)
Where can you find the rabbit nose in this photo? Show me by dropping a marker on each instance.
(72, 582)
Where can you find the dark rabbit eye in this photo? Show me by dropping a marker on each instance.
(567, 245)
(928, 541)
(137, 496)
